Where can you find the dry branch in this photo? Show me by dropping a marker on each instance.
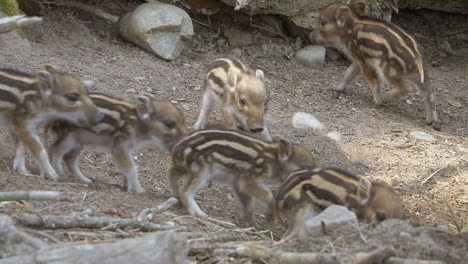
(9, 23)
(433, 174)
(90, 9)
(83, 221)
(149, 213)
(375, 256)
(159, 247)
(13, 240)
(262, 254)
(32, 195)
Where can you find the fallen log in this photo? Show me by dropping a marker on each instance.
(90, 9)
(9, 23)
(262, 254)
(160, 247)
(14, 241)
(84, 221)
(32, 195)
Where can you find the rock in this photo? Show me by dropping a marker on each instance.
(454, 103)
(278, 7)
(312, 56)
(32, 7)
(306, 20)
(306, 120)
(421, 136)
(11, 38)
(332, 217)
(236, 52)
(159, 28)
(238, 38)
(335, 135)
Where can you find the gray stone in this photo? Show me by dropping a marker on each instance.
(332, 217)
(159, 28)
(278, 7)
(306, 120)
(421, 136)
(236, 52)
(312, 56)
(335, 135)
(238, 38)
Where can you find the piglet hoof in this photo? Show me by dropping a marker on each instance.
(52, 176)
(22, 171)
(84, 180)
(200, 214)
(435, 125)
(378, 102)
(136, 189)
(341, 87)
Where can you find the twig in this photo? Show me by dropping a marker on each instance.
(458, 225)
(202, 24)
(456, 32)
(32, 195)
(222, 222)
(42, 234)
(80, 221)
(433, 174)
(269, 31)
(90, 9)
(361, 235)
(149, 213)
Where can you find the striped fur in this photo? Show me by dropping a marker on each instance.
(381, 50)
(241, 92)
(125, 127)
(234, 158)
(28, 101)
(308, 191)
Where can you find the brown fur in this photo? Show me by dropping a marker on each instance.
(126, 127)
(29, 101)
(241, 92)
(307, 192)
(234, 158)
(379, 49)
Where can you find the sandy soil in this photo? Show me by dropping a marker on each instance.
(376, 141)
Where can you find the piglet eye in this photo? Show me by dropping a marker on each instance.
(169, 124)
(72, 97)
(323, 22)
(242, 102)
(379, 216)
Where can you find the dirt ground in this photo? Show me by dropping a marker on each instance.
(376, 142)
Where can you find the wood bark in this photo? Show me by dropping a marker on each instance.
(32, 195)
(159, 247)
(83, 221)
(90, 9)
(14, 241)
(148, 214)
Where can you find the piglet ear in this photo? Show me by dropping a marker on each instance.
(285, 149)
(46, 83)
(50, 68)
(341, 15)
(144, 107)
(363, 191)
(232, 79)
(260, 75)
(358, 7)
